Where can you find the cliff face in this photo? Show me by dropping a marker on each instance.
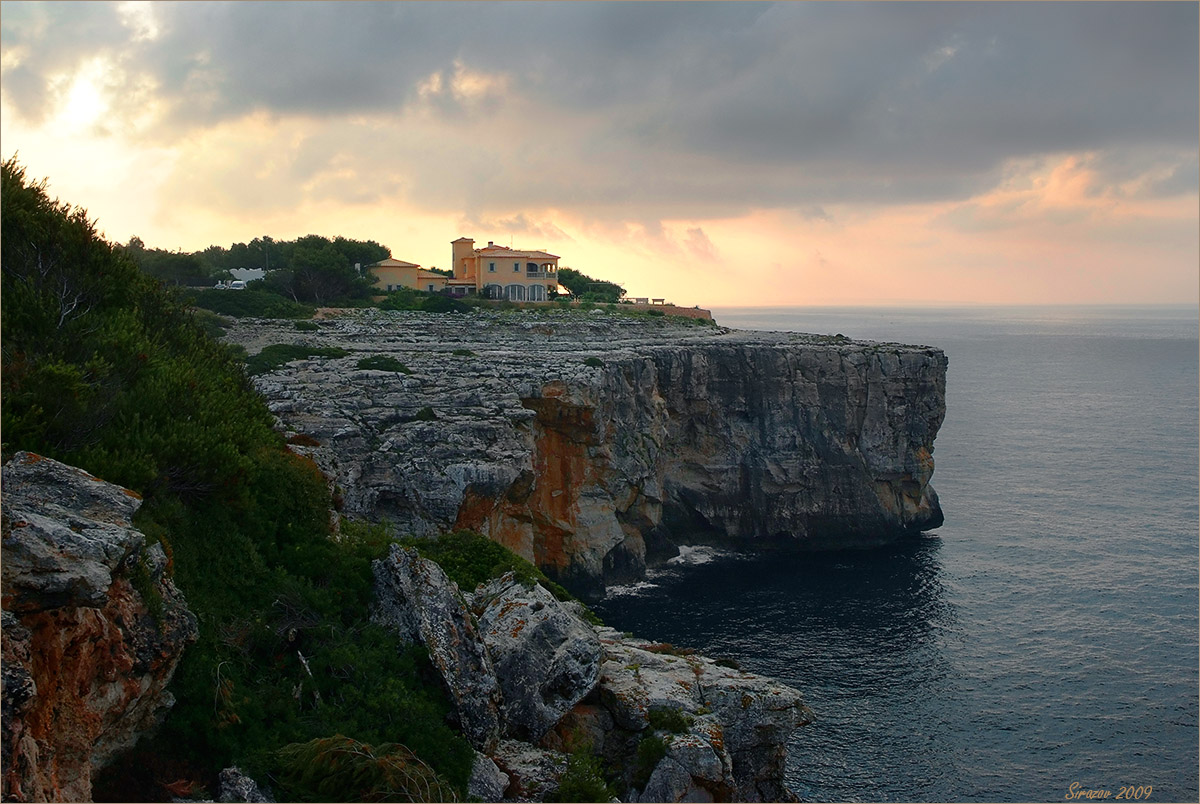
(93, 629)
(675, 434)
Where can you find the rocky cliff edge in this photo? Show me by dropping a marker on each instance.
(593, 444)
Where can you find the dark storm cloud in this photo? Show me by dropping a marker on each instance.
(686, 104)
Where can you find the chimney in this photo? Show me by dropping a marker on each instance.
(490, 243)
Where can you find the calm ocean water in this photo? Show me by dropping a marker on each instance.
(1047, 633)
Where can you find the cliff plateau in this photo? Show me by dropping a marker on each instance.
(592, 444)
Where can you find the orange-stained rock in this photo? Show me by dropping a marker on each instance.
(86, 662)
(595, 444)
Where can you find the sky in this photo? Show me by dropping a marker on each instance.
(711, 154)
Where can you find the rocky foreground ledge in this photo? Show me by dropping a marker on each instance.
(94, 629)
(594, 444)
(531, 680)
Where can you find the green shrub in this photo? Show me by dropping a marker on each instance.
(251, 302)
(425, 414)
(594, 362)
(437, 303)
(307, 326)
(279, 354)
(383, 363)
(675, 721)
(410, 299)
(403, 299)
(470, 559)
(213, 325)
(463, 353)
(583, 779)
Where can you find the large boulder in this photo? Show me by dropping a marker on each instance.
(547, 659)
(93, 629)
(728, 730)
(415, 599)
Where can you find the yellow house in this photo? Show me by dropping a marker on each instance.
(392, 274)
(499, 272)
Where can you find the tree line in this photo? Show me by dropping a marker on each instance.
(311, 269)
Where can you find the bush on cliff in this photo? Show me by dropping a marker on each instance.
(106, 369)
(584, 778)
(278, 354)
(470, 559)
(253, 302)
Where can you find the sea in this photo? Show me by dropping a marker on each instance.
(1042, 643)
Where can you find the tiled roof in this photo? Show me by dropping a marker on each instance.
(390, 262)
(504, 251)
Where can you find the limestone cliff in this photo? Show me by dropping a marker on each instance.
(93, 629)
(592, 444)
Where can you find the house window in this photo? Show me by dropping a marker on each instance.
(431, 288)
(515, 293)
(492, 267)
(537, 293)
(517, 267)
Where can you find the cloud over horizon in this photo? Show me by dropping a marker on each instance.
(546, 119)
(688, 109)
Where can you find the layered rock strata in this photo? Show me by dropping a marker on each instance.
(568, 686)
(93, 629)
(592, 444)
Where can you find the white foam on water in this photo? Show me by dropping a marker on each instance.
(624, 590)
(699, 554)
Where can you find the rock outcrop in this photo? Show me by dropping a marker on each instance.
(566, 685)
(416, 600)
(593, 444)
(93, 629)
(547, 659)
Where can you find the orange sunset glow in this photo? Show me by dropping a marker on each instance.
(714, 154)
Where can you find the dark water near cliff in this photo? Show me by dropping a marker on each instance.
(1047, 633)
